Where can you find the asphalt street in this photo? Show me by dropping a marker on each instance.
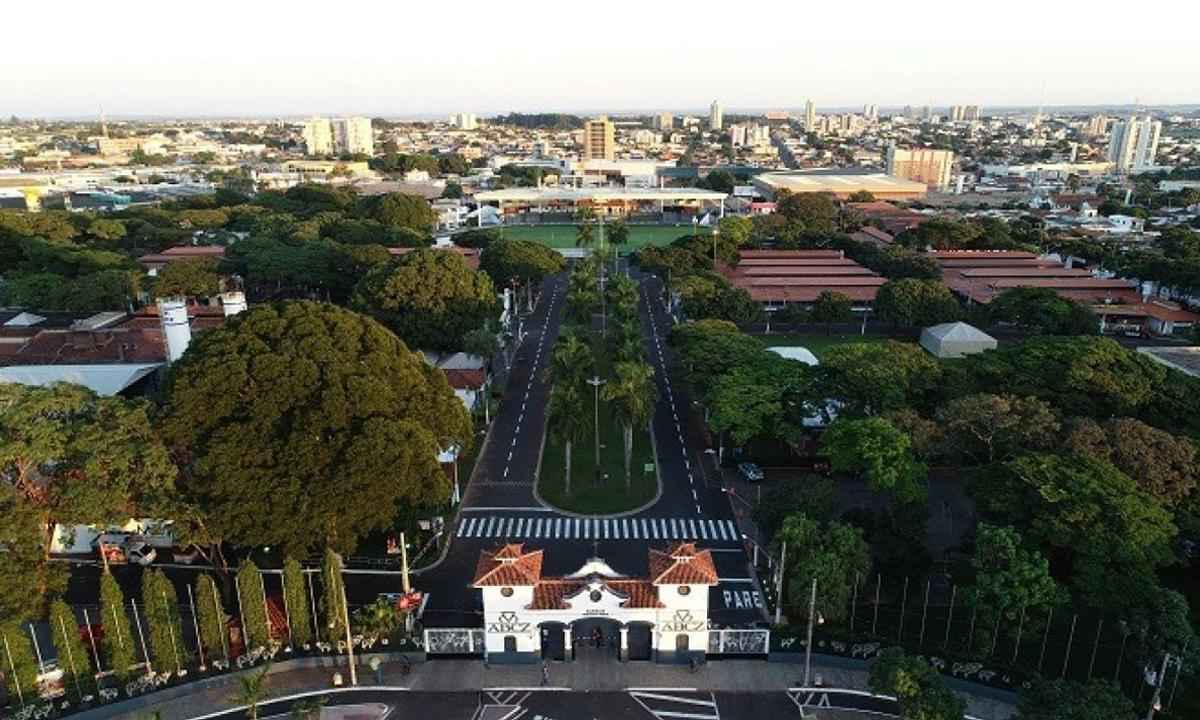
(500, 506)
(634, 704)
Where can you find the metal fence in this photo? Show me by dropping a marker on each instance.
(454, 641)
(739, 642)
(943, 622)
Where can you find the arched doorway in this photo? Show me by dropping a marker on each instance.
(596, 637)
(553, 640)
(640, 641)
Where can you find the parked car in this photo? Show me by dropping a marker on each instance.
(137, 552)
(750, 472)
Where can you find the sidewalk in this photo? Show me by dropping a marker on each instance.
(472, 676)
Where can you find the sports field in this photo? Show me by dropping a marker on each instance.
(563, 236)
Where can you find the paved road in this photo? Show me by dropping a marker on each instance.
(499, 503)
(551, 704)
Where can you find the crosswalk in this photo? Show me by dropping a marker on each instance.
(670, 704)
(557, 527)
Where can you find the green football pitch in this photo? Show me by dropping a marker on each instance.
(563, 236)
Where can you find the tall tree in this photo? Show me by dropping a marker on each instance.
(403, 210)
(295, 592)
(875, 378)
(571, 361)
(917, 687)
(874, 448)
(1044, 311)
(520, 264)
(212, 619)
(632, 393)
(986, 428)
(191, 277)
(75, 457)
(911, 302)
(118, 642)
(567, 422)
(73, 658)
(333, 596)
(831, 307)
(252, 690)
(832, 553)
(252, 603)
(298, 406)
(18, 653)
(27, 577)
(430, 298)
(1162, 464)
(617, 233)
(1011, 581)
(160, 606)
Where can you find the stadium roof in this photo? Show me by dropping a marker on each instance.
(546, 194)
(840, 182)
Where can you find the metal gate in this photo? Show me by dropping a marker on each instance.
(454, 641)
(739, 642)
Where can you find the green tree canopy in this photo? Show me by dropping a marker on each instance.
(522, 261)
(1114, 533)
(118, 643)
(632, 393)
(401, 210)
(310, 415)
(831, 307)
(73, 658)
(1043, 311)
(917, 687)
(911, 302)
(73, 457)
(191, 277)
(295, 592)
(252, 604)
(711, 348)
(767, 396)
(874, 448)
(984, 428)
(1162, 464)
(1011, 578)
(430, 298)
(1066, 700)
(833, 553)
(873, 378)
(814, 212)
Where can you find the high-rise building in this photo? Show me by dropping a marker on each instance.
(972, 113)
(956, 113)
(1133, 144)
(923, 165)
(664, 121)
(464, 121)
(871, 112)
(318, 137)
(810, 116)
(716, 120)
(737, 135)
(927, 113)
(599, 139)
(352, 136)
(1096, 126)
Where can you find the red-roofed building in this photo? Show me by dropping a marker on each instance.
(781, 277)
(661, 615)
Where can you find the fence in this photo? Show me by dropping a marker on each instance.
(454, 641)
(739, 642)
(942, 621)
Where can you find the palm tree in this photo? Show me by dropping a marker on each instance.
(571, 361)
(623, 297)
(567, 421)
(378, 620)
(585, 236)
(633, 395)
(626, 342)
(252, 690)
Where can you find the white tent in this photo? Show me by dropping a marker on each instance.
(955, 340)
(797, 353)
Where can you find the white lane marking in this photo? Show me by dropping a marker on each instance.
(698, 511)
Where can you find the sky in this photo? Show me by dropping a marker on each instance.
(410, 58)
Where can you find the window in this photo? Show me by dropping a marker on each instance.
(510, 643)
(681, 642)
(685, 589)
(506, 592)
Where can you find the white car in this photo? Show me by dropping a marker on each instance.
(140, 553)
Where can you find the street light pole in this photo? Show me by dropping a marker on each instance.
(346, 620)
(596, 382)
(1156, 700)
(812, 614)
(779, 585)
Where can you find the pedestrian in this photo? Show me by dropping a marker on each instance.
(545, 674)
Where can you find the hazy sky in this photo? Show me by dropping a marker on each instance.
(414, 57)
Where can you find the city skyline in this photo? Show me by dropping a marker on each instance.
(182, 65)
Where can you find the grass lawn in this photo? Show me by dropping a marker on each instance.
(818, 344)
(563, 236)
(591, 494)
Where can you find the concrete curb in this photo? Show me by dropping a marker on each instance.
(129, 707)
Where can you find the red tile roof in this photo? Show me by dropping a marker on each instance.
(682, 564)
(510, 565)
(461, 379)
(549, 594)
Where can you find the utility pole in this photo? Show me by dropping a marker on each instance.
(346, 620)
(1156, 700)
(779, 585)
(812, 614)
(596, 382)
